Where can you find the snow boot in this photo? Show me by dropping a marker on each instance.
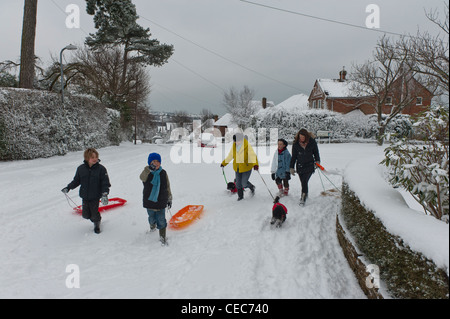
(280, 190)
(240, 194)
(162, 237)
(286, 191)
(252, 189)
(97, 227)
(273, 221)
(152, 227)
(303, 199)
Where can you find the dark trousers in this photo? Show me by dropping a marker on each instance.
(304, 179)
(90, 210)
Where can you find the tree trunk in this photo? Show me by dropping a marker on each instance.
(380, 137)
(27, 56)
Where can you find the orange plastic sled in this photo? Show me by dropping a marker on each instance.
(185, 216)
(112, 203)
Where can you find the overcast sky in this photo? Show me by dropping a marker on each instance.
(221, 44)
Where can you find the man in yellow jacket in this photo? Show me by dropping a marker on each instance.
(245, 159)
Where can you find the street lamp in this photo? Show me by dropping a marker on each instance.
(69, 47)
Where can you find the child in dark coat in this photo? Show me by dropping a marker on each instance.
(280, 167)
(94, 181)
(156, 195)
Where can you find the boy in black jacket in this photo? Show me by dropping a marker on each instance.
(94, 181)
(156, 195)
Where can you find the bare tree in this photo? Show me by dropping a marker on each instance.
(386, 82)
(239, 105)
(181, 118)
(99, 73)
(429, 55)
(27, 55)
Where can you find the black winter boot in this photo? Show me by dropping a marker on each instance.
(303, 199)
(252, 188)
(97, 227)
(240, 194)
(162, 236)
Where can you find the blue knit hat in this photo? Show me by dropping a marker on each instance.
(154, 156)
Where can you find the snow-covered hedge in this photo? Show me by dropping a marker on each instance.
(344, 127)
(34, 124)
(410, 248)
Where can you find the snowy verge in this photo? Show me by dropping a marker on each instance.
(422, 233)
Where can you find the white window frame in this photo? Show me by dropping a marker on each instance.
(417, 100)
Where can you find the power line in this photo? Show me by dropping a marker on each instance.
(219, 55)
(199, 75)
(322, 19)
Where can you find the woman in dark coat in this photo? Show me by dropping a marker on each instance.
(305, 154)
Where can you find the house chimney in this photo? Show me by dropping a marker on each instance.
(264, 102)
(216, 118)
(342, 74)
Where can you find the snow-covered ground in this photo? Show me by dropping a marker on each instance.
(231, 252)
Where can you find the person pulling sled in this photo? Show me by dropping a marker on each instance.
(156, 195)
(305, 155)
(94, 181)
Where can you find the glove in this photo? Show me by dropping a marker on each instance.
(169, 204)
(221, 165)
(65, 190)
(256, 167)
(273, 176)
(292, 172)
(104, 199)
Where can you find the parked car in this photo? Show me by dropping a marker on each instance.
(207, 140)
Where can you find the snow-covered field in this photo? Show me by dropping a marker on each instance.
(231, 252)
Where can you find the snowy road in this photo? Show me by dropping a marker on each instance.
(230, 253)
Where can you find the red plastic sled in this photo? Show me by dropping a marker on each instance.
(185, 216)
(112, 203)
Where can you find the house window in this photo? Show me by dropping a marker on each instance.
(419, 100)
(389, 100)
(314, 104)
(319, 104)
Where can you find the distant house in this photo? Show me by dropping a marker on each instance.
(336, 95)
(224, 123)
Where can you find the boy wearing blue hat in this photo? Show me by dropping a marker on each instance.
(156, 195)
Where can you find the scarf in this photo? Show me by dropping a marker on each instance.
(156, 182)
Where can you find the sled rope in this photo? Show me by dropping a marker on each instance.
(321, 181)
(320, 172)
(68, 202)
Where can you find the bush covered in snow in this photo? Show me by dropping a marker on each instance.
(34, 124)
(423, 169)
(344, 127)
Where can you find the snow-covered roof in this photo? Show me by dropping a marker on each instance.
(226, 120)
(335, 88)
(293, 104)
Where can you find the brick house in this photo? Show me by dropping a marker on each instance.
(336, 95)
